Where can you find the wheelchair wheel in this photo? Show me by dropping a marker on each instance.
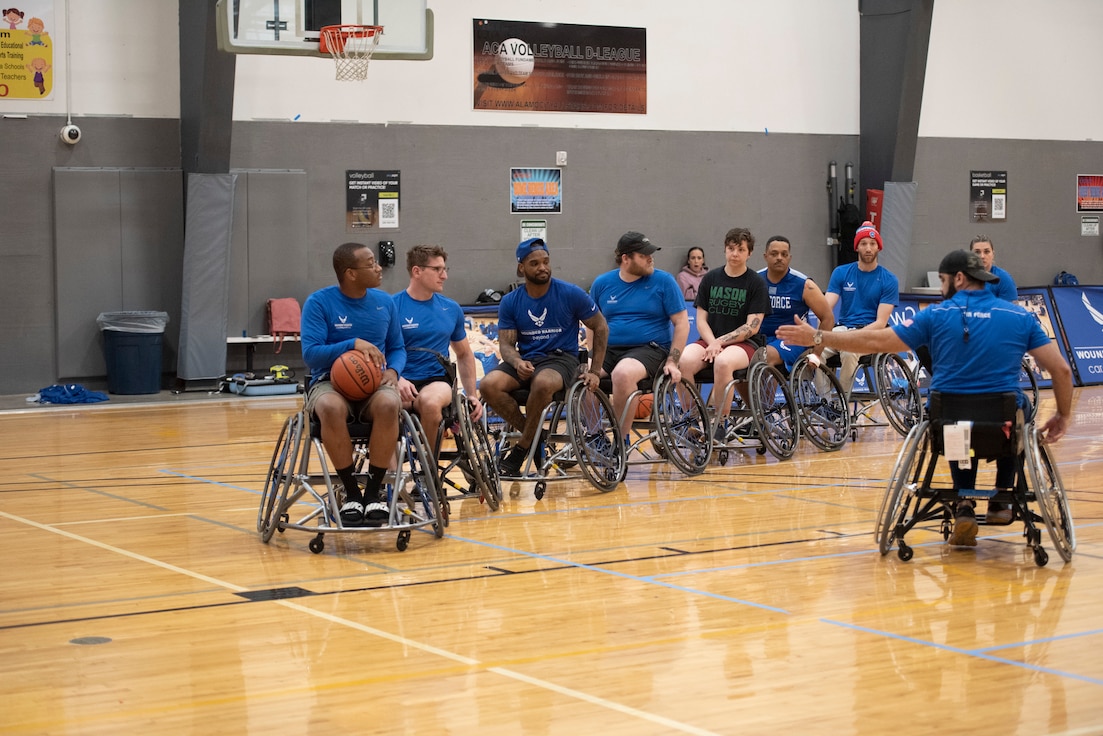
(474, 443)
(1027, 375)
(596, 438)
(821, 405)
(901, 488)
(774, 411)
(422, 470)
(682, 426)
(898, 392)
(1049, 492)
(277, 485)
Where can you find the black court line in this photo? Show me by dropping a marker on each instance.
(292, 592)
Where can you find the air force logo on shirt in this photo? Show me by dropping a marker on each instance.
(409, 324)
(539, 320)
(342, 323)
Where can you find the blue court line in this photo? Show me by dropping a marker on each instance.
(614, 573)
(73, 486)
(978, 653)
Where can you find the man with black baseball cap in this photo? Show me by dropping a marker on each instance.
(977, 342)
(648, 323)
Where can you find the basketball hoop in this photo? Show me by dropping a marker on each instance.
(351, 46)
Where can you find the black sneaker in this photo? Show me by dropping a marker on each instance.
(998, 514)
(509, 465)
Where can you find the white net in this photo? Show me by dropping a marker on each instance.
(351, 48)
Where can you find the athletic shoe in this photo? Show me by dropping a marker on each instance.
(720, 435)
(998, 514)
(375, 513)
(965, 527)
(509, 465)
(600, 444)
(352, 513)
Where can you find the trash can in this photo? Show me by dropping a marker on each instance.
(132, 350)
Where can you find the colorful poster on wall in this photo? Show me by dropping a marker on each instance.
(1089, 192)
(1080, 310)
(559, 67)
(27, 51)
(371, 200)
(988, 195)
(535, 191)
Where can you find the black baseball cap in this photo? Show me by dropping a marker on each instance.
(966, 262)
(634, 242)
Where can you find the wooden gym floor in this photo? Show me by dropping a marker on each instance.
(137, 597)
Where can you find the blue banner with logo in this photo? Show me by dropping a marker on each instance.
(1080, 310)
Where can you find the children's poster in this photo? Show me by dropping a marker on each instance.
(27, 50)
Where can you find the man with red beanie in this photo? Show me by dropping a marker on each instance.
(866, 294)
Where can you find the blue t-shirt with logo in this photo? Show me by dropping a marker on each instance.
(861, 292)
(432, 324)
(548, 323)
(638, 312)
(331, 323)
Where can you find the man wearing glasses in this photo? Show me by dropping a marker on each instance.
(355, 314)
(433, 322)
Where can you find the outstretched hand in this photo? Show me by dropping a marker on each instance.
(798, 333)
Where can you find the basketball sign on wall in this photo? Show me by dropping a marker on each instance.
(559, 67)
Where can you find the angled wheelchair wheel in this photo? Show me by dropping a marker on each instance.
(901, 488)
(774, 411)
(1027, 375)
(682, 426)
(1049, 492)
(595, 437)
(898, 392)
(474, 442)
(821, 405)
(281, 472)
(422, 500)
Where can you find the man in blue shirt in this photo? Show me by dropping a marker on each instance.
(641, 305)
(792, 294)
(432, 321)
(1004, 286)
(866, 293)
(977, 342)
(355, 315)
(538, 339)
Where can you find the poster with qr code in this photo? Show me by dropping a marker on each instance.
(372, 198)
(988, 195)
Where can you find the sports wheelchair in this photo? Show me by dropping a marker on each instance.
(469, 455)
(677, 428)
(998, 430)
(578, 428)
(766, 420)
(888, 381)
(300, 471)
(822, 408)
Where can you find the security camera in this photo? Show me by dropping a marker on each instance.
(70, 134)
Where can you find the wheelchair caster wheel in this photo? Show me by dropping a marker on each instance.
(1041, 557)
(947, 530)
(761, 451)
(904, 552)
(317, 544)
(723, 457)
(540, 488)
(403, 540)
(611, 475)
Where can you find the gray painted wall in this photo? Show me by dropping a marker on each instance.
(681, 188)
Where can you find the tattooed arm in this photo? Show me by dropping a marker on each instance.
(744, 333)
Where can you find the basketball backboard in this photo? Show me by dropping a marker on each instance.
(292, 27)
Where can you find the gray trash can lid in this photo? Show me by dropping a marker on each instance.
(133, 321)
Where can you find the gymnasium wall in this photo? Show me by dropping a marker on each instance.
(747, 101)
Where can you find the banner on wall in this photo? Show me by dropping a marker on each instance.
(988, 195)
(559, 67)
(1081, 313)
(533, 191)
(371, 200)
(27, 50)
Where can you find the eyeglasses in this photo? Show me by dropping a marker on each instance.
(365, 268)
(438, 269)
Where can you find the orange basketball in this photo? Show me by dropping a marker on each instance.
(354, 376)
(643, 408)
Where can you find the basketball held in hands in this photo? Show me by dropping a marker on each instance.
(354, 376)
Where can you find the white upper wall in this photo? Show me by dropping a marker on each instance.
(996, 68)
(1014, 69)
